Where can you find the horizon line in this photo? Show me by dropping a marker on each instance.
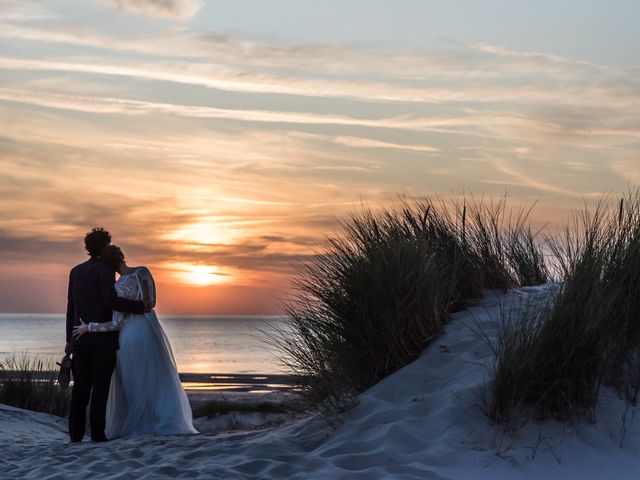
(231, 315)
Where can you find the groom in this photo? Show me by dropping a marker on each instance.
(92, 298)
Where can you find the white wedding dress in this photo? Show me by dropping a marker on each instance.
(146, 396)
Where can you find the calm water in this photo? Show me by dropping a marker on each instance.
(200, 344)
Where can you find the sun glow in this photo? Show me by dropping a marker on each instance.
(202, 235)
(200, 275)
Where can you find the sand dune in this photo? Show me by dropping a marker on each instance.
(423, 422)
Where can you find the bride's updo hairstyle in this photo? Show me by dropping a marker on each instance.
(113, 256)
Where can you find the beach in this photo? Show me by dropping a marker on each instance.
(426, 421)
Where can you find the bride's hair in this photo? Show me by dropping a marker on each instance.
(113, 256)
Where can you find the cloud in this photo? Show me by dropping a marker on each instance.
(253, 148)
(500, 51)
(24, 11)
(312, 128)
(371, 143)
(180, 9)
(530, 181)
(143, 235)
(108, 105)
(628, 169)
(146, 214)
(235, 80)
(468, 60)
(606, 130)
(589, 92)
(15, 247)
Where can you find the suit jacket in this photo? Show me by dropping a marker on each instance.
(92, 297)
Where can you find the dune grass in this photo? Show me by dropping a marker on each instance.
(31, 383)
(554, 358)
(214, 408)
(386, 285)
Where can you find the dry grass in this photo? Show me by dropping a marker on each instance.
(386, 286)
(31, 384)
(555, 358)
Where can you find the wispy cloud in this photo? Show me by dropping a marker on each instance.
(530, 181)
(591, 92)
(24, 11)
(541, 57)
(235, 80)
(107, 105)
(181, 9)
(370, 143)
(110, 105)
(487, 124)
(468, 60)
(628, 168)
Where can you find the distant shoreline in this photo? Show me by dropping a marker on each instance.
(210, 382)
(231, 316)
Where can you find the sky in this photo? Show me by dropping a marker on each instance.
(221, 142)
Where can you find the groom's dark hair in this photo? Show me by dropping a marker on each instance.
(96, 241)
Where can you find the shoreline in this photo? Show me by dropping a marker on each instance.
(203, 386)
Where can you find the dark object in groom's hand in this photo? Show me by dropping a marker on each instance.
(64, 375)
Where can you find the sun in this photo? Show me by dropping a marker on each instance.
(200, 275)
(202, 235)
(203, 275)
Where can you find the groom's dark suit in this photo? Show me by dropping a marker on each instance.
(92, 298)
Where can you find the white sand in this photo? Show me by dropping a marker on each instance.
(423, 422)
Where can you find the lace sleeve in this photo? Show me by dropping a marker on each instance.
(116, 324)
(147, 285)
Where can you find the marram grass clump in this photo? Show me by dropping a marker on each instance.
(385, 287)
(554, 357)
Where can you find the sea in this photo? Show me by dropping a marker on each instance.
(201, 344)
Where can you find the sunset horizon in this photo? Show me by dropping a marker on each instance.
(287, 239)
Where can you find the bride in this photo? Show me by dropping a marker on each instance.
(146, 396)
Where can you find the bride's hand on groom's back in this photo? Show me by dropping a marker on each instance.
(80, 330)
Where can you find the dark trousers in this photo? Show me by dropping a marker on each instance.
(92, 369)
